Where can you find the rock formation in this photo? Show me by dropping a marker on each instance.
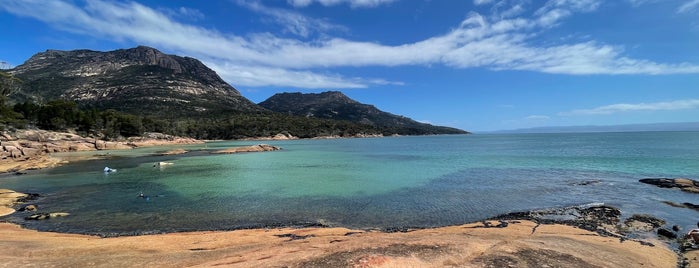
(248, 149)
(687, 185)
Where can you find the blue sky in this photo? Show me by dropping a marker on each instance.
(473, 64)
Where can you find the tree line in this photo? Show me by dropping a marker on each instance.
(63, 115)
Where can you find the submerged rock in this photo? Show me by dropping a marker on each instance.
(174, 152)
(44, 216)
(38, 216)
(163, 164)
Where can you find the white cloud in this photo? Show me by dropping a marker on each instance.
(482, 2)
(538, 117)
(5, 65)
(637, 3)
(352, 3)
(293, 22)
(265, 59)
(266, 76)
(626, 107)
(689, 6)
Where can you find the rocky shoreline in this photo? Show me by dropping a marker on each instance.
(31, 149)
(591, 235)
(598, 219)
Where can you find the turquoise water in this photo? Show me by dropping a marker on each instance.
(379, 183)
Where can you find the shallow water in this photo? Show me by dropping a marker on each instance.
(364, 183)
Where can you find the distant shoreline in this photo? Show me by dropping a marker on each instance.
(24, 150)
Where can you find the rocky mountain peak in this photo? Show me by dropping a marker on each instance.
(133, 80)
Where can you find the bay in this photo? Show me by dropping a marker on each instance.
(381, 183)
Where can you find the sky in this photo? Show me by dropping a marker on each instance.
(478, 65)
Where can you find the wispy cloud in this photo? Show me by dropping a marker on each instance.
(496, 42)
(5, 65)
(293, 22)
(352, 3)
(626, 107)
(689, 6)
(538, 117)
(482, 2)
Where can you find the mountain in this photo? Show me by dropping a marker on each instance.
(337, 106)
(139, 80)
(685, 126)
(127, 92)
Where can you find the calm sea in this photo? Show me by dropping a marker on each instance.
(364, 183)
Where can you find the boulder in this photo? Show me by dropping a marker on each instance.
(283, 136)
(5, 137)
(666, 233)
(16, 153)
(81, 146)
(30, 152)
(29, 208)
(9, 148)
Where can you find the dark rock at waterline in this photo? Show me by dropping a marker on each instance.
(644, 218)
(593, 217)
(587, 182)
(682, 205)
(662, 232)
(683, 184)
(642, 223)
(29, 208)
(29, 197)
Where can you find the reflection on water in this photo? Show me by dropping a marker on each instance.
(364, 183)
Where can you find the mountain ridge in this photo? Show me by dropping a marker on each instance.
(176, 95)
(336, 105)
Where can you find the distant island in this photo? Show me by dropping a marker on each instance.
(128, 92)
(685, 126)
